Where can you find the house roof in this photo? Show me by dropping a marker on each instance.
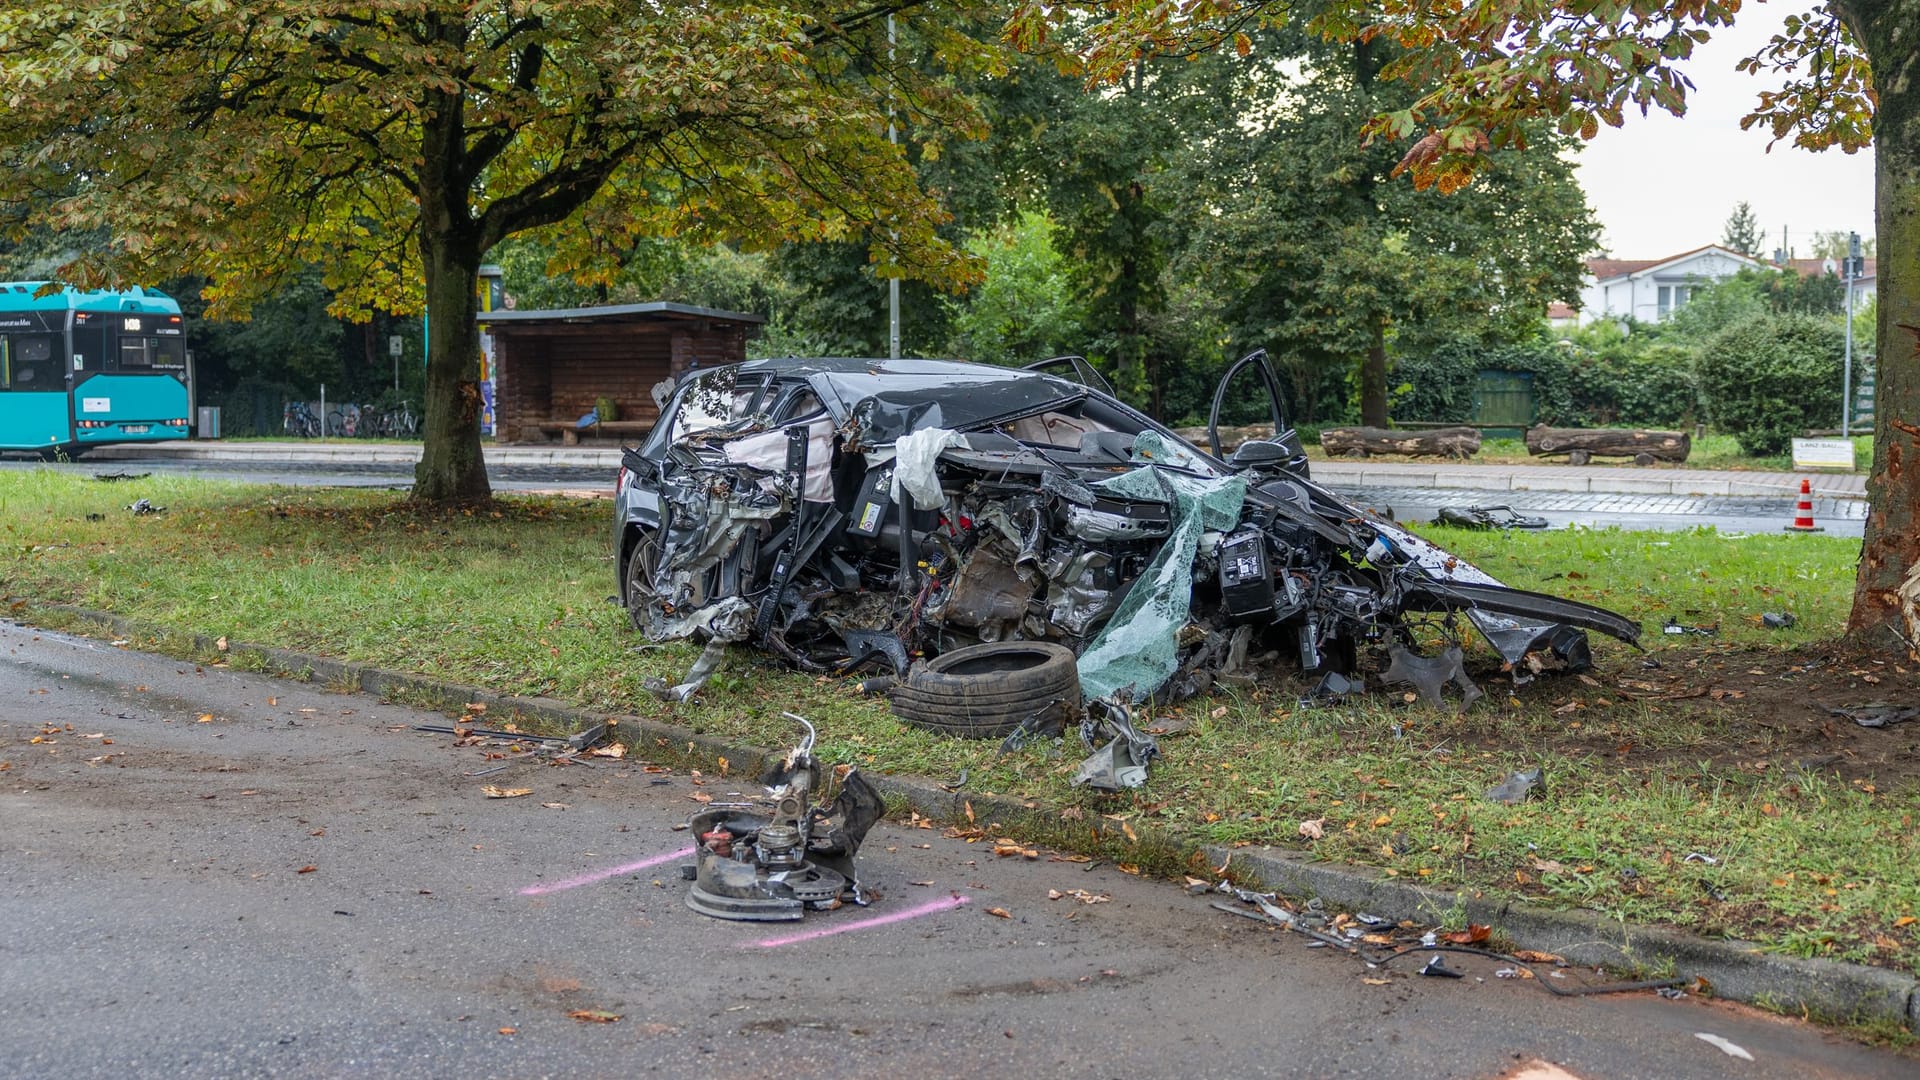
(1561, 310)
(1605, 269)
(659, 310)
(1609, 269)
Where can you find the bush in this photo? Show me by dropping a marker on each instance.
(1767, 380)
(1650, 385)
(1440, 385)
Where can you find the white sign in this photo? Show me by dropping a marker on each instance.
(394, 345)
(1823, 454)
(96, 404)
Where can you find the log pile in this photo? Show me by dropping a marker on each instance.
(1359, 442)
(1581, 444)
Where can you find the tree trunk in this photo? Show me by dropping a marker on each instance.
(1659, 445)
(451, 467)
(1373, 379)
(1886, 597)
(1455, 442)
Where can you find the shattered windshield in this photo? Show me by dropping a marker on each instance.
(719, 399)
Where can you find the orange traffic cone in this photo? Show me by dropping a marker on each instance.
(1803, 511)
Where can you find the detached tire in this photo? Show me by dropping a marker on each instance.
(985, 691)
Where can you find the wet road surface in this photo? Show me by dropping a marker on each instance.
(208, 873)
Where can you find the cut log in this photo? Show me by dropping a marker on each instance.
(1230, 437)
(1453, 442)
(1581, 444)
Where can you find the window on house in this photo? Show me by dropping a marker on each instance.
(1673, 298)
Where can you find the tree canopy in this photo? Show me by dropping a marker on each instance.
(395, 144)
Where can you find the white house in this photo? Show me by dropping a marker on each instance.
(1648, 290)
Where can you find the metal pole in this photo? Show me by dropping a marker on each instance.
(1846, 370)
(323, 412)
(893, 281)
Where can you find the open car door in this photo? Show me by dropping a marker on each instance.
(1282, 450)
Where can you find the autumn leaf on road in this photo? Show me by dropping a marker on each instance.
(611, 750)
(492, 792)
(593, 1016)
(999, 913)
(1472, 935)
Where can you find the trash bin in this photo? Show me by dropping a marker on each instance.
(209, 426)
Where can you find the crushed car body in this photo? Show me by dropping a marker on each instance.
(849, 513)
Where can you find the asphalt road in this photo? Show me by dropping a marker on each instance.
(205, 873)
(1729, 513)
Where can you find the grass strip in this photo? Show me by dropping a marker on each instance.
(1805, 859)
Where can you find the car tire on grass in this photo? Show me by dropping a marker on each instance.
(985, 691)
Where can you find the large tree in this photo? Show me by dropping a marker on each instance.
(1488, 71)
(394, 144)
(1321, 256)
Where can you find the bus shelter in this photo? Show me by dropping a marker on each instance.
(559, 373)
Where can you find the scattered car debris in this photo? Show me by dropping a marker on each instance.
(1517, 786)
(1121, 761)
(1877, 714)
(114, 477)
(757, 863)
(1701, 857)
(850, 513)
(1380, 942)
(1678, 628)
(1429, 675)
(1487, 517)
(1778, 620)
(1334, 686)
(143, 507)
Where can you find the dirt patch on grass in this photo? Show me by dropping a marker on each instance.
(1774, 708)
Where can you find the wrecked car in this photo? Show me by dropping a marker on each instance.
(847, 514)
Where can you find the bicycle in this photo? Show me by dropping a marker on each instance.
(297, 419)
(344, 421)
(397, 422)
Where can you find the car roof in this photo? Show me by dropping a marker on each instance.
(897, 396)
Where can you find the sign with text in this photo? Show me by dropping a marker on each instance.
(1823, 454)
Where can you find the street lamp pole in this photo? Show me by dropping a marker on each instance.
(893, 280)
(1854, 265)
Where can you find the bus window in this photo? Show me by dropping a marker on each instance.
(29, 362)
(89, 344)
(144, 353)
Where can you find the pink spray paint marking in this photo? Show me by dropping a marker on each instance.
(949, 904)
(601, 875)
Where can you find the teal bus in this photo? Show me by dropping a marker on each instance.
(79, 368)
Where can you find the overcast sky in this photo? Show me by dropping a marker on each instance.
(1662, 185)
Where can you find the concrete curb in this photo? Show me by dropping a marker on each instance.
(1740, 971)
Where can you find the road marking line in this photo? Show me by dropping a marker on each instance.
(601, 875)
(946, 904)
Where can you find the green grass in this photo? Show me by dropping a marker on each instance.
(516, 600)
